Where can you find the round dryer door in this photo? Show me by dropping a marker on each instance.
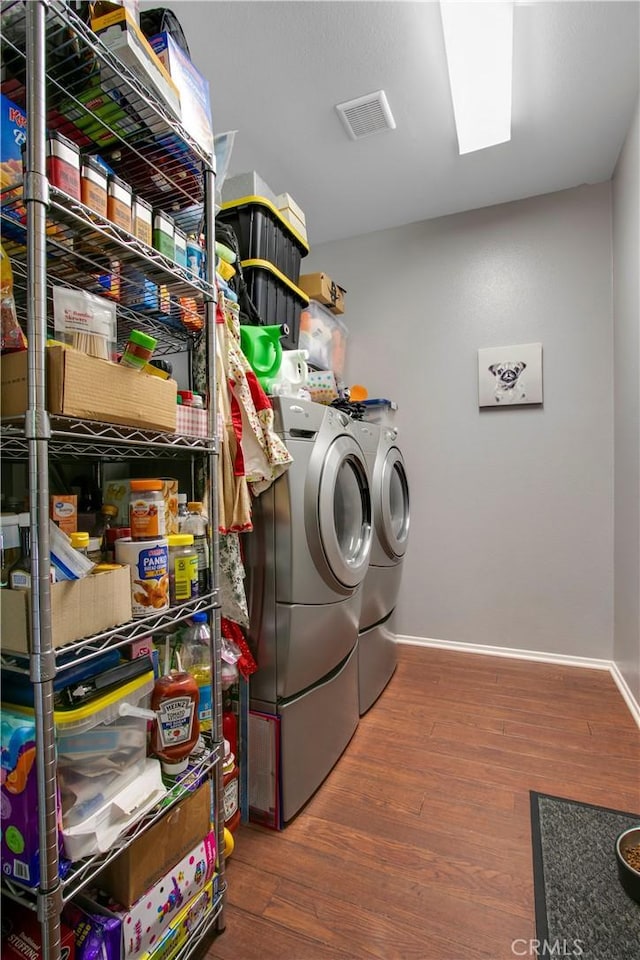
(344, 512)
(394, 497)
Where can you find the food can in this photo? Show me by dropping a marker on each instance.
(148, 562)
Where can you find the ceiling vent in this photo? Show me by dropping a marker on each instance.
(366, 115)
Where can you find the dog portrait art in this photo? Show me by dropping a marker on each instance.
(509, 376)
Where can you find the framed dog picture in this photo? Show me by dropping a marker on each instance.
(510, 376)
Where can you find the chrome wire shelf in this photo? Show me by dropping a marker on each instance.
(80, 651)
(79, 875)
(203, 928)
(171, 335)
(73, 438)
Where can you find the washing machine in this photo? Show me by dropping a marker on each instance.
(390, 499)
(306, 560)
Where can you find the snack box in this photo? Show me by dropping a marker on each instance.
(13, 134)
(195, 103)
(185, 924)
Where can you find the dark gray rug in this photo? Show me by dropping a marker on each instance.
(581, 908)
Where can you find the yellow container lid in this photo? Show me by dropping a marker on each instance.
(180, 539)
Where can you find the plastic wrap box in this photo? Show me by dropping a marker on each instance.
(78, 608)
(156, 851)
(276, 298)
(247, 185)
(320, 287)
(264, 234)
(195, 103)
(324, 336)
(82, 386)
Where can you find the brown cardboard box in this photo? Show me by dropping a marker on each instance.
(159, 849)
(320, 287)
(82, 386)
(78, 609)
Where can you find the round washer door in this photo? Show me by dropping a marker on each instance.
(394, 504)
(344, 512)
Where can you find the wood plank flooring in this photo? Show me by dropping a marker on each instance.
(417, 846)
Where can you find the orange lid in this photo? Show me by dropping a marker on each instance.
(358, 392)
(146, 484)
(194, 506)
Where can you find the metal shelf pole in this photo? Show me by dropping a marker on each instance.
(216, 650)
(42, 662)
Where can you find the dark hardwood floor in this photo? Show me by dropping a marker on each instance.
(417, 846)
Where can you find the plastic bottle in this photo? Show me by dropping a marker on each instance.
(196, 523)
(230, 730)
(175, 702)
(195, 656)
(231, 789)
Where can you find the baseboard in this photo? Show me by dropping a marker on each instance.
(564, 660)
(625, 692)
(512, 653)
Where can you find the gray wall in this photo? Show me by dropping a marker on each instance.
(626, 308)
(512, 519)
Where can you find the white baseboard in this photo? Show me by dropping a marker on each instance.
(589, 663)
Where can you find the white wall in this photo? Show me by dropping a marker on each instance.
(626, 307)
(512, 520)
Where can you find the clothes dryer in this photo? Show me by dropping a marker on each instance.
(306, 560)
(390, 499)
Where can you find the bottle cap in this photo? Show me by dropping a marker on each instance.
(182, 498)
(79, 540)
(194, 506)
(180, 540)
(187, 396)
(142, 340)
(145, 484)
(109, 510)
(199, 617)
(93, 544)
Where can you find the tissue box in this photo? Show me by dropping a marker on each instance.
(321, 385)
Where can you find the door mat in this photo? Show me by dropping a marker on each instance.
(581, 908)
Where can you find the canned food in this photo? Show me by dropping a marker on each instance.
(148, 561)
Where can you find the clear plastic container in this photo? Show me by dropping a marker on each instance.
(324, 335)
(100, 748)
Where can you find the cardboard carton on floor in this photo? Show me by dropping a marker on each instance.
(320, 287)
(92, 389)
(79, 608)
(157, 850)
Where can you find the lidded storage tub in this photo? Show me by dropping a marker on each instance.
(276, 298)
(324, 335)
(264, 234)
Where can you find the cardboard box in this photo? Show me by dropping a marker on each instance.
(63, 510)
(146, 922)
(184, 924)
(159, 849)
(119, 31)
(287, 205)
(320, 287)
(195, 103)
(82, 386)
(78, 609)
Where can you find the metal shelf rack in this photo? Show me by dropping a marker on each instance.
(52, 64)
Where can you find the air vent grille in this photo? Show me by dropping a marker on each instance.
(366, 115)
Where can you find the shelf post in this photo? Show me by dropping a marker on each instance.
(37, 433)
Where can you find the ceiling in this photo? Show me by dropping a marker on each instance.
(277, 69)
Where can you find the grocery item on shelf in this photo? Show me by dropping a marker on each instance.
(231, 789)
(104, 521)
(195, 656)
(93, 185)
(183, 512)
(164, 234)
(110, 536)
(13, 135)
(146, 510)
(19, 798)
(63, 165)
(97, 937)
(180, 247)
(142, 217)
(119, 202)
(85, 322)
(183, 568)
(175, 701)
(80, 541)
(13, 339)
(197, 524)
(63, 510)
(66, 562)
(185, 925)
(138, 350)
(148, 567)
(21, 936)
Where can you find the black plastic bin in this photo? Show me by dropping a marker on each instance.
(264, 234)
(276, 298)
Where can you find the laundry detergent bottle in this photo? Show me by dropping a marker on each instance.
(262, 348)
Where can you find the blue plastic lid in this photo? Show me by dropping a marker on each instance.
(199, 617)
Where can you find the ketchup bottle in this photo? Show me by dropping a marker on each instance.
(175, 733)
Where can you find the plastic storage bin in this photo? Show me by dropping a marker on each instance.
(324, 335)
(277, 299)
(264, 234)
